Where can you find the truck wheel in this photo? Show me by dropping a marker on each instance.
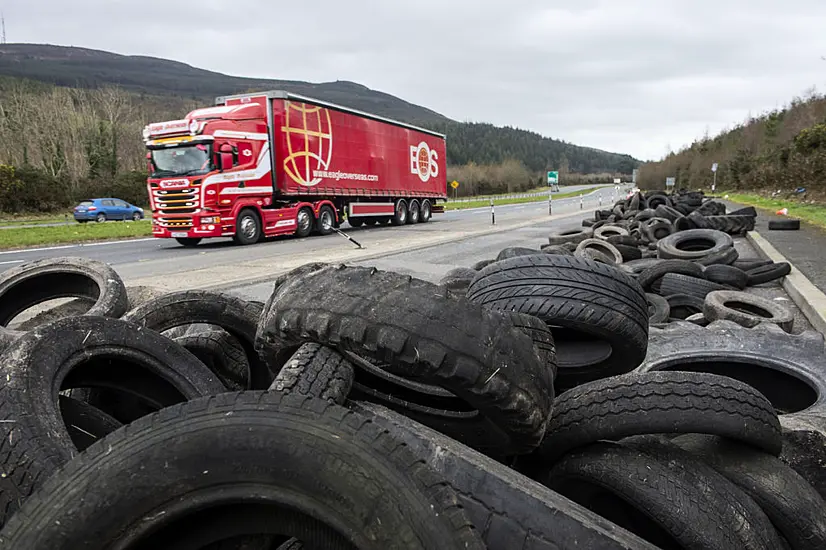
(247, 228)
(304, 222)
(326, 221)
(425, 211)
(100, 218)
(400, 217)
(413, 212)
(355, 222)
(188, 241)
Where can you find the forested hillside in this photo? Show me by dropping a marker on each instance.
(780, 150)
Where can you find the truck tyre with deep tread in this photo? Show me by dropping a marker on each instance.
(411, 325)
(247, 227)
(304, 221)
(659, 403)
(81, 352)
(793, 506)
(597, 314)
(220, 447)
(413, 212)
(231, 313)
(316, 371)
(402, 212)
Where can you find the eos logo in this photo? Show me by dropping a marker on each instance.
(423, 161)
(174, 184)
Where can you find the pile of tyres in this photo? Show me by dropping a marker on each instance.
(533, 408)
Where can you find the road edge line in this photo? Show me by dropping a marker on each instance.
(806, 296)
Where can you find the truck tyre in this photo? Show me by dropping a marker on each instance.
(221, 352)
(746, 310)
(100, 218)
(768, 273)
(597, 313)
(784, 225)
(188, 241)
(326, 220)
(355, 222)
(325, 455)
(412, 326)
(36, 282)
(426, 211)
(413, 212)
(793, 506)
(231, 313)
(82, 352)
(694, 244)
(727, 275)
(674, 283)
(660, 403)
(304, 222)
(400, 217)
(247, 227)
(574, 236)
(316, 371)
(637, 489)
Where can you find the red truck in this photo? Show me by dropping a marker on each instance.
(274, 163)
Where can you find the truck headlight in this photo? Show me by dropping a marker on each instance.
(215, 219)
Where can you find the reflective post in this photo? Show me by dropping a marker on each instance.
(492, 213)
(550, 205)
(581, 201)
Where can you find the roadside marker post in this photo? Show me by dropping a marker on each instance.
(600, 199)
(581, 201)
(550, 205)
(492, 213)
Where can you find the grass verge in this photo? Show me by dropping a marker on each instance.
(486, 201)
(813, 213)
(36, 236)
(35, 220)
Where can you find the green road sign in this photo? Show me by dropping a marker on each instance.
(553, 178)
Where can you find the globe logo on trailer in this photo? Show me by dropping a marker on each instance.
(309, 134)
(423, 161)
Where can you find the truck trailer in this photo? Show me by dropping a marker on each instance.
(274, 163)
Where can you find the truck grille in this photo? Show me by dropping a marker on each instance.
(176, 201)
(175, 223)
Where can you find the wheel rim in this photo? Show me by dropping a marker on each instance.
(414, 214)
(401, 212)
(425, 210)
(326, 220)
(249, 228)
(101, 218)
(136, 217)
(304, 221)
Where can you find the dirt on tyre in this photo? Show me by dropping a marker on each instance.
(411, 326)
(82, 352)
(597, 314)
(220, 448)
(221, 352)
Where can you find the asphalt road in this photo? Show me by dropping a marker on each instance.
(165, 260)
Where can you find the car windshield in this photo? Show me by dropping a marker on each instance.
(188, 160)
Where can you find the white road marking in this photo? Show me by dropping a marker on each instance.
(12, 262)
(78, 245)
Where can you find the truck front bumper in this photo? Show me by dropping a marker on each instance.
(210, 227)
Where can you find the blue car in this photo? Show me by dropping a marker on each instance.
(101, 210)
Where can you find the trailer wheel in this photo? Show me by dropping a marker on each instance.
(413, 212)
(400, 217)
(247, 227)
(326, 220)
(355, 222)
(425, 211)
(304, 222)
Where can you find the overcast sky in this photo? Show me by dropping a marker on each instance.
(633, 76)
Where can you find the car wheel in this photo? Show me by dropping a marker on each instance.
(247, 228)
(136, 217)
(326, 220)
(100, 218)
(304, 222)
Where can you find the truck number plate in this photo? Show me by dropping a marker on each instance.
(179, 234)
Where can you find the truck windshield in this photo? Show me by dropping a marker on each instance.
(186, 160)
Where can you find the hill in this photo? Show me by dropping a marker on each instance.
(781, 150)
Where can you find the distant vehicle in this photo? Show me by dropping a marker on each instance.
(101, 210)
(633, 192)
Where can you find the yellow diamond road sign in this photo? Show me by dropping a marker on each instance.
(454, 184)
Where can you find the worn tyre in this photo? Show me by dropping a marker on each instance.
(221, 352)
(84, 423)
(574, 236)
(683, 306)
(556, 249)
(628, 253)
(513, 252)
(316, 371)
(599, 250)
(35, 282)
(658, 309)
(667, 212)
(656, 229)
(712, 208)
(747, 211)
(482, 264)
(733, 225)
(457, 280)
(694, 244)
(636, 489)
(610, 231)
(598, 314)
(673, 283)
(747, 265)
(650, 277)
(325, 455)
(748, 310)
(793, 506)
(540, 335)
(784, 225)
(235, 315)
(408, 324)
(727, 275)
(660, 403)
(81, 352)
(768, 273)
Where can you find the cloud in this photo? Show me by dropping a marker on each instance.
(632, 76)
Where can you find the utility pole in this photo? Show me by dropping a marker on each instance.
(2, 28)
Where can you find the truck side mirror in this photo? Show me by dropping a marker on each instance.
(226, 161)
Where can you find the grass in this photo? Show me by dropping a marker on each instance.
(486, 201)
(812, 213)
(35, 220)
(35, 236)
